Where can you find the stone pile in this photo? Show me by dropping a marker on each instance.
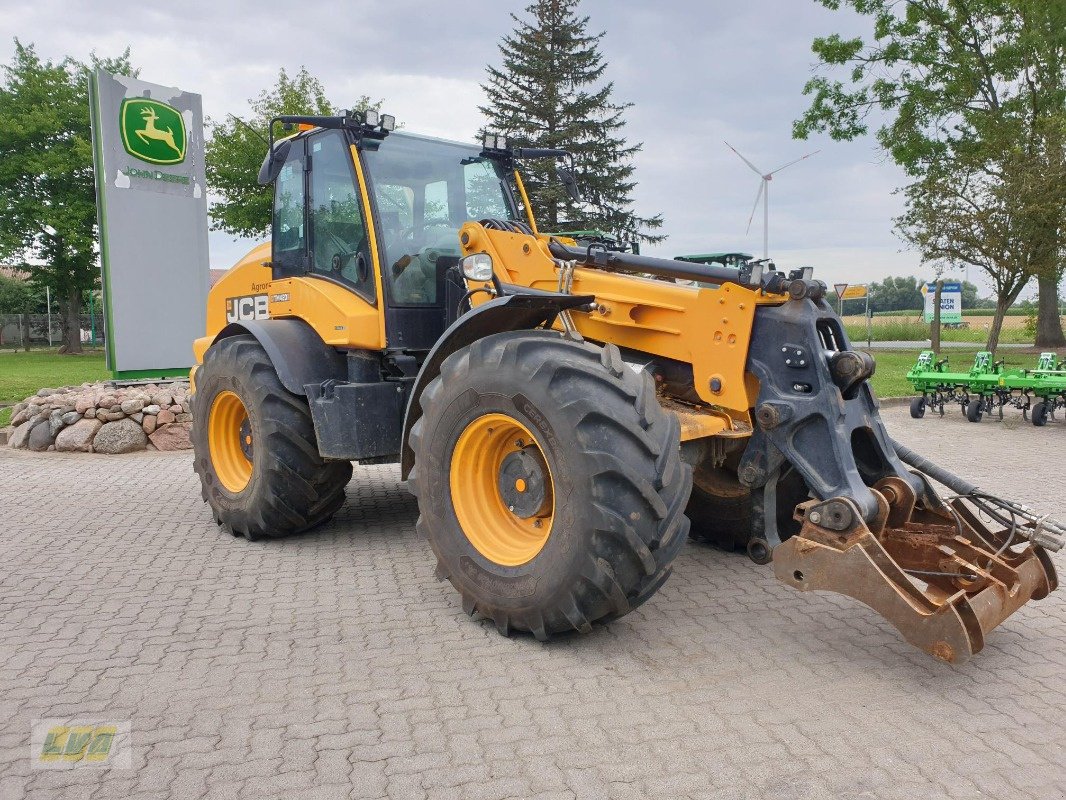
(102, 418)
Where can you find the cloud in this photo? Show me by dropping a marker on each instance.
(697, 72)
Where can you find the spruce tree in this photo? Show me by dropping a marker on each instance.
(549, 92)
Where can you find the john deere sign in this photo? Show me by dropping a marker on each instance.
(152, 131)
(151, 199)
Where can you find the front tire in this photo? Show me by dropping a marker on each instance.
(975, 410)
(918, 407)
(255, 447)
(528, 427)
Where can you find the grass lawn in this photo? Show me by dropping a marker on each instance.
(22, 374)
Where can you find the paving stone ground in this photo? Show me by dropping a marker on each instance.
(333, 665)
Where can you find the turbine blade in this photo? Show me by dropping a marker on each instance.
(790, 163)
(754, 168)
(758, 196)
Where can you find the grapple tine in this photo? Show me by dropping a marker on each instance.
(936, 578)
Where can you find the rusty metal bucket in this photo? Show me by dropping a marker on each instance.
(940, 575)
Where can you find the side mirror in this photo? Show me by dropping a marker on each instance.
(569, 181)
(274, 161)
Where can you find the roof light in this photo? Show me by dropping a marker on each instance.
(494, 141)
(388, 122)
(371, 117)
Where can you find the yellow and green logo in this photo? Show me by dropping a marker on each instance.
(152, 131)
(88, 743)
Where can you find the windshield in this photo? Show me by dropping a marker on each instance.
(425, 189)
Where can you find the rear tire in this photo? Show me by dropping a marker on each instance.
(975, 410)
(285, 486)
(719, 508)
(615, 519)
(918, 407)
(1040, 414)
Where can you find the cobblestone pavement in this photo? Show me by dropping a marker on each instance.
(333, 665)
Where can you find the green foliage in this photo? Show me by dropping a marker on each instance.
(16, 296)
(236, 147)
(549, 91)
(47, 191)
(973, 101)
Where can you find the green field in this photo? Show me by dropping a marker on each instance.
(917, 332)
(22, 374)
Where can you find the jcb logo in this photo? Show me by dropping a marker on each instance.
(253, 306)
(74, 743)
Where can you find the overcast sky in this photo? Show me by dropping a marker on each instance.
(698, 71)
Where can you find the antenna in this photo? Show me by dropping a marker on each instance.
(764, 194)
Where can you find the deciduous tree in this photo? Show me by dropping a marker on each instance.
(236, 147)
(47, 192)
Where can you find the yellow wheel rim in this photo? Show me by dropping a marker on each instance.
(229, 436)
(502, 489)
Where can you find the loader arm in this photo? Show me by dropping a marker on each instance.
(767, 359)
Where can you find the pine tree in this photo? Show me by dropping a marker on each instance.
(549, 92)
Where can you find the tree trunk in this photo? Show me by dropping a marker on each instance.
(72, 323)
(934, 326)
(1048, 322)
(1002, 304)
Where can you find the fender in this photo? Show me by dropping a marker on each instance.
(297, 352)
(511, 312)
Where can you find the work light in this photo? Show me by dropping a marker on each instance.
(371, 117)
(388, 122)
(477, 267)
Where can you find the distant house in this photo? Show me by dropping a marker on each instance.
(13, 272)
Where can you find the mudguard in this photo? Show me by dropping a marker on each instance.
(297, 352)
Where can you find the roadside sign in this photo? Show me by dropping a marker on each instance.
(148, 155)
(840, 289)
(856, 292)
(950, 302)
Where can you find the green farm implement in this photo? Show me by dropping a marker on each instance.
(989, 388)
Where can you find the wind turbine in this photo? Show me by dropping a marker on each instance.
(764, 193)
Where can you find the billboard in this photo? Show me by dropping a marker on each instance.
(950, 302)
(148, 154)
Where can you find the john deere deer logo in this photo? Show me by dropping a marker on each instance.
(152, 131)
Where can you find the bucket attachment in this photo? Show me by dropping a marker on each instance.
(938, 573)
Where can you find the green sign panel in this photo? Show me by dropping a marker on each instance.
(152, 131)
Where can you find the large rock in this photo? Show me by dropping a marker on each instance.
(166, 416)
(41, 437)
(174, 436)
(55, 423)
(21, 435)
(22, 415)
(151, 409)
(162, 399)
(45, 392)
(78, 438)
(131, 406)
(122, 436)
(71, 417)
(148, 423)
(84, 403)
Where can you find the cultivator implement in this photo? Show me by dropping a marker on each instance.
(988, 388)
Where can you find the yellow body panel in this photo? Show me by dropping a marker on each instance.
(340, 316)
(708, 328)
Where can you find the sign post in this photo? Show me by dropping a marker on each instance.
(151, 204)
(840, 289)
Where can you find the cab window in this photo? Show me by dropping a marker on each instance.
(339, 244)
(425, 189)
(289, 236)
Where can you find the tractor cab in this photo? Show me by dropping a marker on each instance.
(379, 213)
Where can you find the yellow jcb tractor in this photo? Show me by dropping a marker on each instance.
(564, 414)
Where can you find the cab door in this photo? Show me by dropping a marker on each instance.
(321, 236)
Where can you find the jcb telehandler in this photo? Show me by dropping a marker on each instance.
(561, 416)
